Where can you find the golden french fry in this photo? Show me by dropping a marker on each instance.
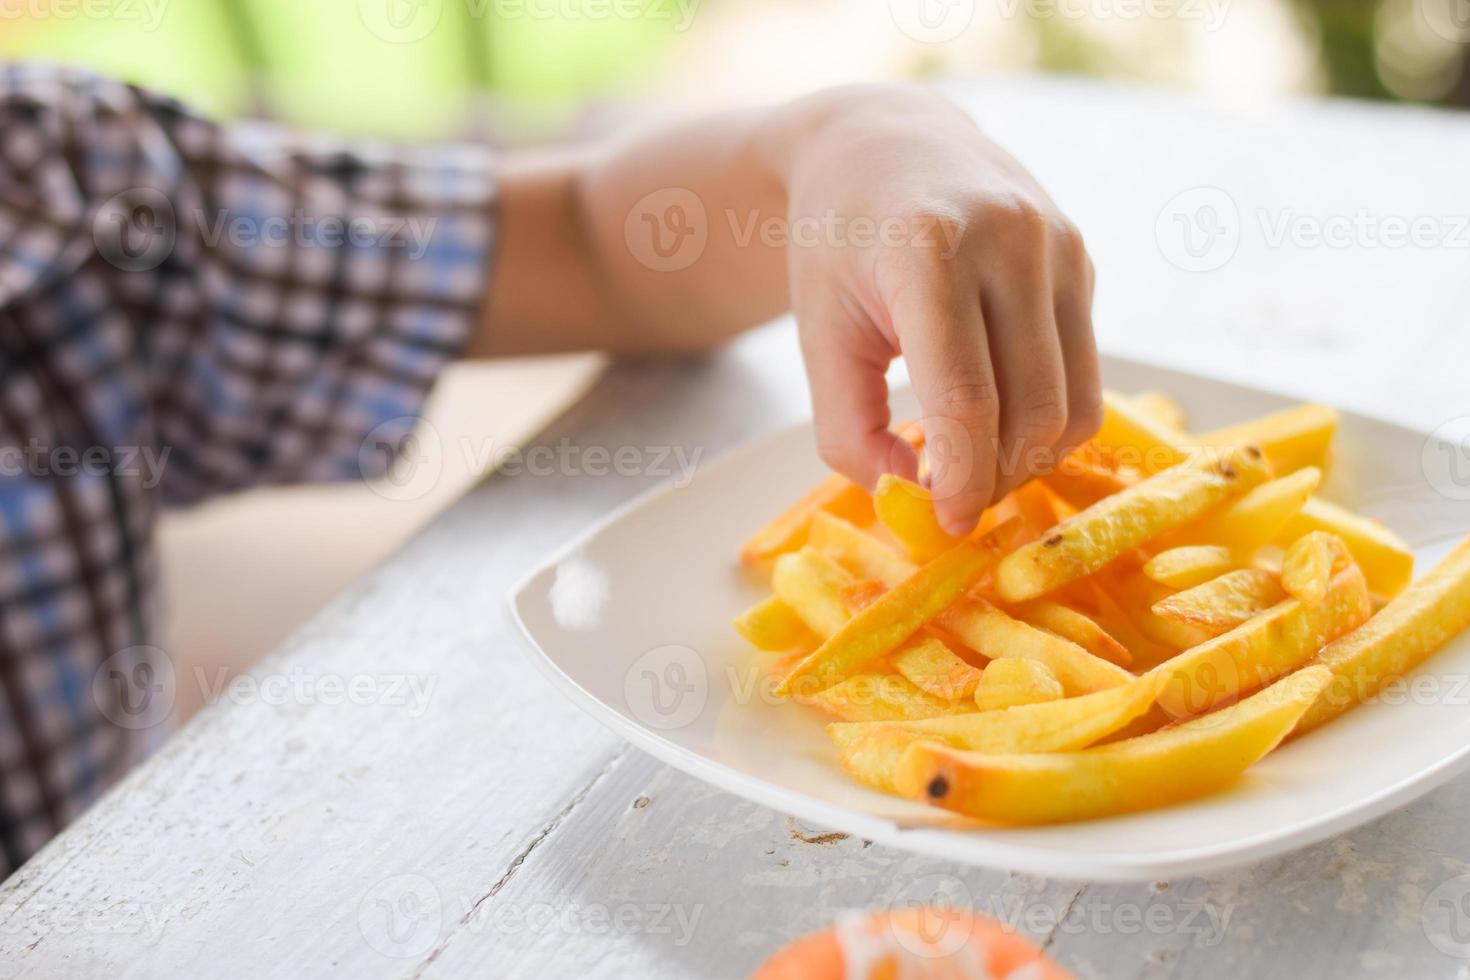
(1082, 482)
(907, 510)
(1414, 624)
(1223, 603)
(1111, 616)
(1086, 542)
(1013, 681)
(883, 697)
(870, 751)
(1254, 519)
(1138, 595)
(1189, 565)
(811, 584)
(986, 629)
(934, 668)
(1291, 439)
(1164, 410)
(1263, 648)
(1132, 437)
(1307, 567)
(858, 551)
(835, 495)
(773, 625)
(1384, 557)
(1034, 503)
(1164, 767)
(1074, 625)
(882, 627)
(823, 596)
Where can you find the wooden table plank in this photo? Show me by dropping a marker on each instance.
(493, 830)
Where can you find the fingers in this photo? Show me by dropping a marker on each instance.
(1001, 352)
(1073, 288)
(850, 397)
(936, 313)
(1029, 369)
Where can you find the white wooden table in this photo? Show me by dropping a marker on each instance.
(492, 830)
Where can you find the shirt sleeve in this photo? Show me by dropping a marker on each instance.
(289, 300)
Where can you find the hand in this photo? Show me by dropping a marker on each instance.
(975, 278)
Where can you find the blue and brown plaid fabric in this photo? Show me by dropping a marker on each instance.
(185, 309)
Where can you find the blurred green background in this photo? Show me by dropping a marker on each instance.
(535, 70)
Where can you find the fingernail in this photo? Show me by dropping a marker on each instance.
(959, 527)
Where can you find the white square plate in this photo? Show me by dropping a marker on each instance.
(632, 622)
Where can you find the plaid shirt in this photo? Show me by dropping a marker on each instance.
(185, 309)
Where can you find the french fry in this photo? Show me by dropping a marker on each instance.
(882, 627)
(1086, 542)
(1131, 436)
(1189, 565)
(1013, 681)
(1255, 518)
(1164, 410)
(811, 585)
(882, 697)
(1293, 438)
(1307, 567)
(1263, 648)
(1036, 507)
(834, 495)
(1168, 766)
(1414, 624)
(1111, 616)
(858, 551)
(1384, 557)
(1204, 562)
(1223, 603)
(1082, 482)
(907, 510)
(989, 631)
(1138, 595)
(825, 596)
(1071, 624)
(773, 625)
(870, 751)
(934, 668)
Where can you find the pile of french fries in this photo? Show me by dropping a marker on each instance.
(1132, 629)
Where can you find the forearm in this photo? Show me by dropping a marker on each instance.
(638, 246)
